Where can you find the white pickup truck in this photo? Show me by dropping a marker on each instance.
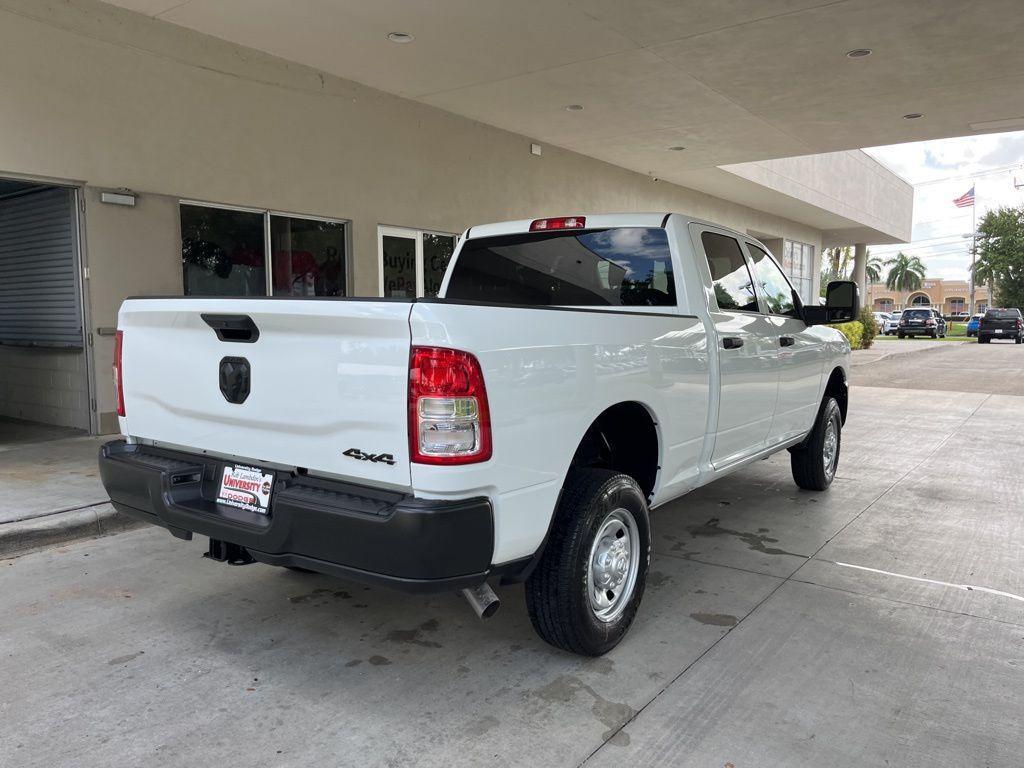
(573, 374)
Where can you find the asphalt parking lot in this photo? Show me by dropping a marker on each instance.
(879, 623)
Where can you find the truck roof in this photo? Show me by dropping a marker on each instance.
(593, 221)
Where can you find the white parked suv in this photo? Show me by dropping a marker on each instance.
(574, 373)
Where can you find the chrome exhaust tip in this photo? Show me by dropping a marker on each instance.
(483, 600)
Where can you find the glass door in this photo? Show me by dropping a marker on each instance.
(412, 261)
(399, 276)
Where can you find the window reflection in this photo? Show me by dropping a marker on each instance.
(222, 252)
(777, 291)
(437, 252)
(734, 288)
(308, 256)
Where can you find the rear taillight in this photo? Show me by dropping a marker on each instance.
(449, 422)
(562, 222)
(931, 321)
(118, 382)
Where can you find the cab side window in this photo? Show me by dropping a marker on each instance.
(734, 288)
(778, 293)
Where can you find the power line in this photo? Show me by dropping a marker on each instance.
(968, 177)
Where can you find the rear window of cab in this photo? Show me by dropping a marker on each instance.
(917, 314)
(619, 267)
(1002, 314)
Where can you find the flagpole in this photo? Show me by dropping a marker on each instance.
(974, 244)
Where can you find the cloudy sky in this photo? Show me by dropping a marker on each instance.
(943, 170)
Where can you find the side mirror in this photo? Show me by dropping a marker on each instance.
(842, 304)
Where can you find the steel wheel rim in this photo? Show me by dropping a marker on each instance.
(830, 449)
(613, 565)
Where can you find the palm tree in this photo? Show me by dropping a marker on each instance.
(873, 268)
(905, 274)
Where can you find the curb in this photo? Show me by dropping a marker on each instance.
(25, 536)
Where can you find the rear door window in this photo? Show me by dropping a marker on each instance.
(917, 314)
(622, 267)
(734, 288)
(1002, 314)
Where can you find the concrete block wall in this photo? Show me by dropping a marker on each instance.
(45, 385)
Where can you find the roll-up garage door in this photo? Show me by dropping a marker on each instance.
(40, 302)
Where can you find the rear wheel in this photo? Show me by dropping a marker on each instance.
(585, 591)
(901, 335)
(814, 464)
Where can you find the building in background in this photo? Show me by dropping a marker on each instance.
(950, 297)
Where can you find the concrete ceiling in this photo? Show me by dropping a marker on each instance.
(731, 81)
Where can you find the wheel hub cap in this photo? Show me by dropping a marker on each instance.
(830, 448)
(613, 565)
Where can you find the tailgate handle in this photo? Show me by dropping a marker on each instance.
(237, 328)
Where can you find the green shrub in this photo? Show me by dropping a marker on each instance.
(869, 327)
(853, 331)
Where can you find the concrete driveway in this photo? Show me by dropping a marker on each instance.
(878, 623)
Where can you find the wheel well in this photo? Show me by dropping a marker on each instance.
(837, 388)
(624, 438)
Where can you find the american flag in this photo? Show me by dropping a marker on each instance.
(966, 200)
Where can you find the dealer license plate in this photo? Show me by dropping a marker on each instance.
(999, 330)
(246, 488)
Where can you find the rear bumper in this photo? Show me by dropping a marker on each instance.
(918, 330)
(347, 530)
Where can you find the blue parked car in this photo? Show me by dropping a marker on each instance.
(972, 325)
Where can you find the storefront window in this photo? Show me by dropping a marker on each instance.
(224, 252)
(437, 252)
(798, 264)
(308, 256)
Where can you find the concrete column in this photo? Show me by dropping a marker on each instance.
(860, 262)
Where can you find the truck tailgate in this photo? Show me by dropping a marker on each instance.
(325, 377)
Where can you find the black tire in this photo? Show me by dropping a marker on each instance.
(901, 335)
(1016, 339)
(807, 461)
(558, 591)
(935, 334)
(983, 340)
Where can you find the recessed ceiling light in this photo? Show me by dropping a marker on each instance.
(575, 108)
(676, 149)
(913, 116)
(400, 37)
(858, 53)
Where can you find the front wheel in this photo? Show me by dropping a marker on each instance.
(814, 463)
(584, 593)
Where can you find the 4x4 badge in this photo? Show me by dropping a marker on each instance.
(376, 458)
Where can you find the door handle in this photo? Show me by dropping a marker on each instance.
(787, 341)
(731, 342)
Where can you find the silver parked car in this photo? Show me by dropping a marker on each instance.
(889, 329)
